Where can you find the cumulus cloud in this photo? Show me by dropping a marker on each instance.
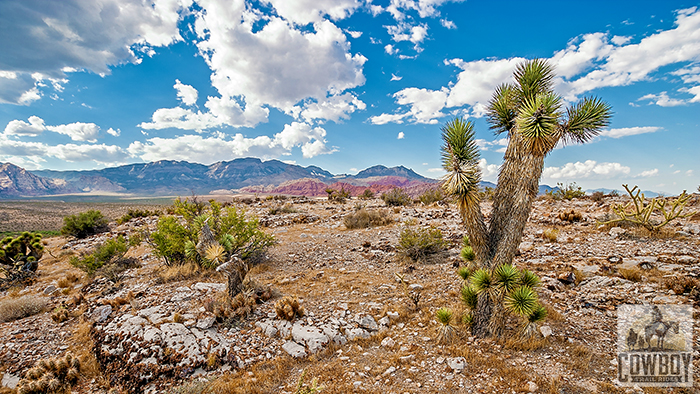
(309, 11)
(500, 144)
(387, 118)
(489, 171)
(19, 127)
(395, 77)
(77, 131)
(333, 108)
(207, 150)
(587, 169)
(662, 100)
(448, 24)
(74, 35)
(627, 131)
(185, 93)
(113, 132)
(648, 173)
(401, 135)
(35, 152)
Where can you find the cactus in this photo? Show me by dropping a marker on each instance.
(639, 212)
(19, 258)
(570, 216)
(288, 308)
(51, 376)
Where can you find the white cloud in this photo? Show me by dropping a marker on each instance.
(579, 56)
(662, 100)
(19, 127)
(425, 104)
(387, 118)
(354, 34)
(501, 144)
(689, 173)
(400, 136)
(620, 40)
(36, 152)
(425, 8)
(627, 131)
(185, 93)
(78, 131)
(395, 78)
(587, 169)
(695, 90)
(648, 173)
(388, 48)
(78, 34)
(448, 24)
(476, 82)
(488, 170)
(310, 11)
(333, 108)
(439, 170)
(207, 150)
(113, 132)
(407, 32)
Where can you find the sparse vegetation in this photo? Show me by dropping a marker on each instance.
(18, 308)
(431, 196)
(417, 243)
(597, 196)
(639, 212)
(396, 197)
(338, 196)
(366, 218)
(566, 191)
(107, 259)
(681, 284)
(281, 209)
(84, 224)
(367, 195)
(446, 331)
(633, 274)
(137, 213)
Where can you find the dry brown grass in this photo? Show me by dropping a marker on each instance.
(581, 357)
(681, 285)
(365, 218)
(81, 346)
(633, 274)
(263, 378)
(19, 308)
(181, 272)
(550, 234)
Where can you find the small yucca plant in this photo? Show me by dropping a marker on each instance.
(467, 254)
(465, 273)
(446, 330)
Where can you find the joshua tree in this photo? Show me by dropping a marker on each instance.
(531, 115)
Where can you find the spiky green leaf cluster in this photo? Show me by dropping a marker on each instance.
(469, 297)
(467, 254)
(530, 108)
(460, 158)
(444, 316)
(464, 272)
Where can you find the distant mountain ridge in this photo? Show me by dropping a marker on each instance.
(169, 177)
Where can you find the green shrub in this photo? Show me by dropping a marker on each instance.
(107, 259)
(364, 218)
(418, 243)
(432, 195)
(187, 239)
(566, 192)
(280, 209)
(487, 193)
(137, 213)
(396, 197)
(367, 195)
(338, 196)
(84, 224)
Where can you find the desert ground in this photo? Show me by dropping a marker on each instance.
(151, 329)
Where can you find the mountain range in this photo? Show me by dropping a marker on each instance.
(167, 177)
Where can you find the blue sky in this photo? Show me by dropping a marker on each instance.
(342, 84)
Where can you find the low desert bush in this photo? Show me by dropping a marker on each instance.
(84, 224)
(19, 308)
(280, 209)
(681, 285)
(432, 195)
(367, 195)
(419, 243)
(19, 259)
(550, 234)
(338, 196)
(207, 236)
(597, 196)
(566, 192)
(396, 197)
(107, 259)
(633, 274)
(364, 218)
(137, 213)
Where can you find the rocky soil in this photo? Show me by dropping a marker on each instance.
(153, 332)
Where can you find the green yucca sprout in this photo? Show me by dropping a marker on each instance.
(481, 281)
(468, 319)
(538, 314)
(465, 241)
(444, 316)
(467, 254)
(529, 279)
(506, 278)
(464, 273)
(469, 297)
(521, 301)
